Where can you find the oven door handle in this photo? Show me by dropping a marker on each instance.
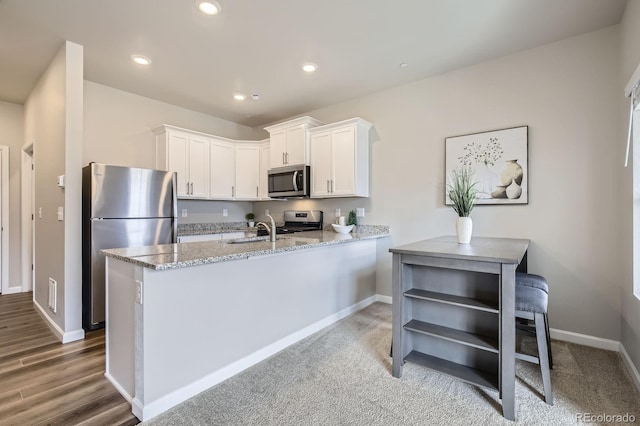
(295, 181)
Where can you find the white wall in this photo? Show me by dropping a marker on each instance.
(11, 123)
(568, 94)
(630, 58)
(53, 121)
(117, 130)
(118, 126)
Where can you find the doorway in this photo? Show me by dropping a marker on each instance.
(27, 217)
(4, 222)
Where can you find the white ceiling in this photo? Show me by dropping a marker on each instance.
(257, 46)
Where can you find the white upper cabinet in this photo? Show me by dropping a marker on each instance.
(340, 159)
(187, 154)
(223, 169)
(247, 186)
(289, 141)
(235, 170)
(265, 162)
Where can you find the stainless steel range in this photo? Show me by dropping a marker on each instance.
(298, 221)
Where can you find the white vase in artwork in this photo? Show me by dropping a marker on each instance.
(514, 190)
(487, 181)
(464, 228)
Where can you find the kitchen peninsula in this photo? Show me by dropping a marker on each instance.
(184, 317)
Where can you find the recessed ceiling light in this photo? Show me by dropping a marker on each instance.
(309, 67)
(140, 59)
(239, 96)
(255, 97)
(404, 65)
(209, 7)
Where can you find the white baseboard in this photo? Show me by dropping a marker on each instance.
(626, 359)
(147, 411)
(384, 299)
(585, 340)
(64, 337)
(12, 290)
(119, 388)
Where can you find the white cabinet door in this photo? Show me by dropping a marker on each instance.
(178, 160)
(278, 148)
(199, 167)
(247, 172)
(340, 159)
(264, 168)
(321, 173)
(223, 169)
(296, 146)
(343, 155)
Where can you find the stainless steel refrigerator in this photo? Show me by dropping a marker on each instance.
(121, 207)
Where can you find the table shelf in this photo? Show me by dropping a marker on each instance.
(466, 302)
(461, 372)
(473, 340)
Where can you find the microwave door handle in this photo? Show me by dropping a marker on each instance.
(295, 181)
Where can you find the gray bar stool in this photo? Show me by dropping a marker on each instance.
(531, 305)
(539, 282)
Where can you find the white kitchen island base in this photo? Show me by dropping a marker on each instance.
(173, 333)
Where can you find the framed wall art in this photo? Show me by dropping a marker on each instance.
(498, 161)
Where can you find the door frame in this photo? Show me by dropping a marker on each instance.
(4, 221)
(27, 219)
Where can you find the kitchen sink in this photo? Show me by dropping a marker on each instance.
(249, 240)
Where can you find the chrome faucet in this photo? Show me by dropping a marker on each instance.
(271, 230)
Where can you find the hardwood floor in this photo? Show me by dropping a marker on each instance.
(43, 382)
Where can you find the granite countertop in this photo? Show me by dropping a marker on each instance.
(172, 256)
(212, 228)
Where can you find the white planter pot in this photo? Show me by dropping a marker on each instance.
(464, 228)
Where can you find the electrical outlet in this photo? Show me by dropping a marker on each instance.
(184, 212)
(266, 212)
(61, 213)
(39, 212)
(360, 212)
(139, 292)
(225, 212)
(337, 213)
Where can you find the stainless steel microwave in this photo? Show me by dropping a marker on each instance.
(289, 182)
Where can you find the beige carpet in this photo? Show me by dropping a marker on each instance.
(342, 376)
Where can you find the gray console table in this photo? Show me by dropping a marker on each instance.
(454, 310)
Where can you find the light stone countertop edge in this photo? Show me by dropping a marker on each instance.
(175, 256)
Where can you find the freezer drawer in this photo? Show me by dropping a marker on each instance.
(115, 233)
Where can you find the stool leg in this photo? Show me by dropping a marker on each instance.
(546, 325)
(543, 357)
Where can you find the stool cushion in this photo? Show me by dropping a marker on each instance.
(531, 299)
(531, 280)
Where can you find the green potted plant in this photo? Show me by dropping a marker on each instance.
(463, 193)
(352, 219)
(250, 219)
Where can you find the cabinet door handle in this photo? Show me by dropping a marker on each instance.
(287, 157)
(257, 192)
(283, 160)
(233, 191)
(332, 186)
(328, 188)
(191, 188)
